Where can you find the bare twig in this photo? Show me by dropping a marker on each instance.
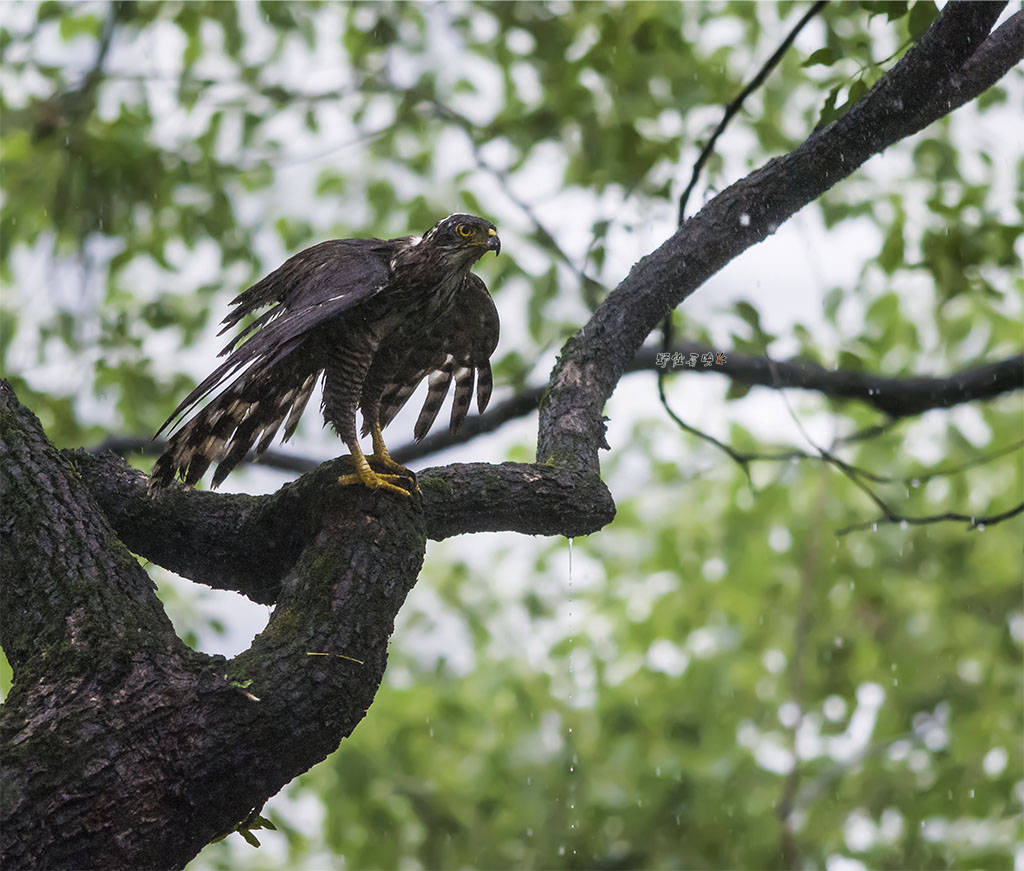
(889, 514)
(973, 521)
(730, 112)
(736, 104)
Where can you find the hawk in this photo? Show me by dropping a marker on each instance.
(374, 317)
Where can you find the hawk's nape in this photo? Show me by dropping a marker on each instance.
(374, 317)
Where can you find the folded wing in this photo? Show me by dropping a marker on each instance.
(464, 357)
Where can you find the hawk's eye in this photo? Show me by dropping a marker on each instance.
(464, 231)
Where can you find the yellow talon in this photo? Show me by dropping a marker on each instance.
(375, 480)
(382, 458)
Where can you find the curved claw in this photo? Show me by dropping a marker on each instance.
(374, 481)
(384, 461)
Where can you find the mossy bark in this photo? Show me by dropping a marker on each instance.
(123, 748)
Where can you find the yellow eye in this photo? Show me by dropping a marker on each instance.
(464, 231)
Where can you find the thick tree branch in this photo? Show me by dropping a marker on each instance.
(571, 429)
(122, 747)
(247, 543)
(83, 587)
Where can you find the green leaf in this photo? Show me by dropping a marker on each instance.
(922, 14)
(737, 390)
(891, 257)
(821, 57)
(249, 838)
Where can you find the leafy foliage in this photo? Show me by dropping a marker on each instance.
(727, 683)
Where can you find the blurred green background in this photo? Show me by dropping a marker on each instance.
(715, 680)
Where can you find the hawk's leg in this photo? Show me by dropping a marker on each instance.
(351, 357)
(367, 477)
(382, 458)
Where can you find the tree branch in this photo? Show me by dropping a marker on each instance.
(895, 396)
(973, 521)
(248, 543)
(571, 429)
(164, 748)
(734, 107)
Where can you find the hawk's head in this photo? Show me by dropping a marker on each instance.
(462, 239)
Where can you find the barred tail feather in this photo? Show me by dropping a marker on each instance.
(437, 390)
(255, 405)
(465, 378)
(395, 397)
(298, 406)
(484, 384)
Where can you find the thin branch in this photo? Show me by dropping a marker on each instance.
(973, 521)
(888, 394)
(889, 514)
(737, 103)
(499, 175)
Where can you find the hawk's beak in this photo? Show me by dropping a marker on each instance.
(493, 242)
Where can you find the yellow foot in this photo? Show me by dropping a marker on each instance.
(369, 478)
(382, 458)
(384, 461)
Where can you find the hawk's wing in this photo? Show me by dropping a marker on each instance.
(306, 291)
(464, 356)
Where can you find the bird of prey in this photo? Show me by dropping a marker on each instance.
(375, 317)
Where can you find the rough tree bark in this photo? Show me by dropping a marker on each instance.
(125, 749)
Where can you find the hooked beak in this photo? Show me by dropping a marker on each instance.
(493, 242)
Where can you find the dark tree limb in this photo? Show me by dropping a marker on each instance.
(973, 521)
(571, 430)
(122, 747)
(896, 396)
(247, 543)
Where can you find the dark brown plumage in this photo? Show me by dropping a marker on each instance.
(375, 317)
